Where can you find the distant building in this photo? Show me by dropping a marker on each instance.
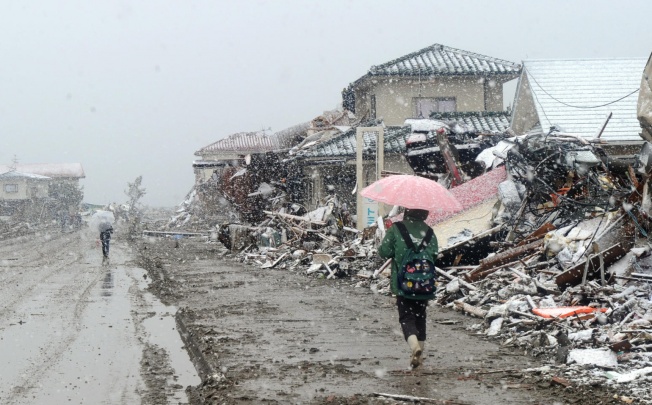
(24, 184)
(232, 151)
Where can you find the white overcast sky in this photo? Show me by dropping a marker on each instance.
(129, 88)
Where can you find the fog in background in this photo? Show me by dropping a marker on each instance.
(129, 88)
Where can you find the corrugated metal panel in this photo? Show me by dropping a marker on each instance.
(443, 60)
(560, 86)
(260, 141)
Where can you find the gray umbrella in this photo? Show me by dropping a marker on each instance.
(105, 226)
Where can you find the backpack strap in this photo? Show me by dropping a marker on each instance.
(408, 240)
(426, 240)
(405, 234)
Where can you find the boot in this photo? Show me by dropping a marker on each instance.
(422, 345)
(416, 349)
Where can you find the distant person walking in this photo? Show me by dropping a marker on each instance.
(106, 229)
(412, 245)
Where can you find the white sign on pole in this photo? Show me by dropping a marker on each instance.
(368, 210)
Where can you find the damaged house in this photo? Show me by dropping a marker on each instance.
(436, 79)
(220, 173)
(592, 98)
(462, 88)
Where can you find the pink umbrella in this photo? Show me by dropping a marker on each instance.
(412, 192)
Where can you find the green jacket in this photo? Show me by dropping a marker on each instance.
(395, 248)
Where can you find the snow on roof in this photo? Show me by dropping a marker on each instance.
(395, 137)
(443, 60)
(260, 141)
(16, 174)
(574, 94)
(53, 170)
(424, 125)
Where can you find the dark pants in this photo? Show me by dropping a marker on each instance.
(105, 238)
(412, 317)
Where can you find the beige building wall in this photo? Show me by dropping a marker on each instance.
(525, 115)
(493, 95)
(26, 189)
(396, 98)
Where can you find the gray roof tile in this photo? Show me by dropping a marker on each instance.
(443, 60)
(344, 145)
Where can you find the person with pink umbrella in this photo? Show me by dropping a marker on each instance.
(401, 236)
(413, 248)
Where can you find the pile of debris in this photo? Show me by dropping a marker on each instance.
(564, 272)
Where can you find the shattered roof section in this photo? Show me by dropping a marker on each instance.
(443, 60)
(287, 137)
(344, 144)
(563, 89)
(55, 170)
(259, 141)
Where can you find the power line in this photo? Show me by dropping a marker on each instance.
(577, 106)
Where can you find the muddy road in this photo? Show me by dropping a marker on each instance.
(75, 331)
(276, 336)
(163, 324)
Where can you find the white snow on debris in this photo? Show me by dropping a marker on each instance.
(425, 125)
(596, 357)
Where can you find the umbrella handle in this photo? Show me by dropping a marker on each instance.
(383, 267)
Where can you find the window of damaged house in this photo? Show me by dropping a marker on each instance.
(373, 106)
(428, 105)
(11, 188)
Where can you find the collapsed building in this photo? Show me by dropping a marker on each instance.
(551, 252)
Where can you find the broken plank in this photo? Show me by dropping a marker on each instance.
(295, 217)
(383, 267)
(411, 398)
(452, 277)
(573, 276)
(479, 312)
(273, 264)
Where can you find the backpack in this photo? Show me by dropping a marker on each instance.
(416, 274)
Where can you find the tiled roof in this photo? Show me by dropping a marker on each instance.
(260, 141)
(443, 60)
(563, 91)
(55, 170)
(287, 137)
(344, 144)
(482, 121)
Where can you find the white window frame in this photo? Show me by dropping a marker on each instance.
(11, 188)
(424, 106)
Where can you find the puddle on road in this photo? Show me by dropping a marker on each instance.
(163, 332)
(107, 284)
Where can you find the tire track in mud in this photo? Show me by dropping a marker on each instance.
(60, 253)
(26, 283)
(26, 384)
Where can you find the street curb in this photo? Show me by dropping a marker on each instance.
(198, 358)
